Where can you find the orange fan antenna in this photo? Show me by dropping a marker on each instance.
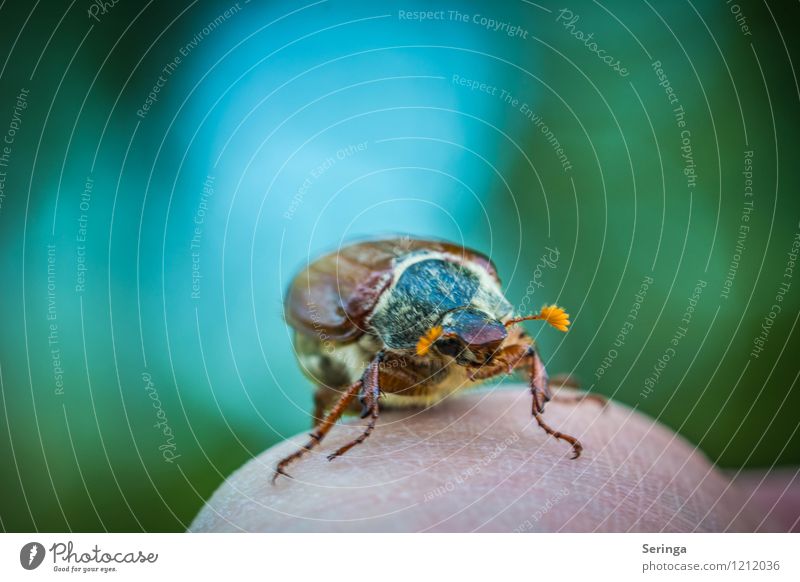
(552, 314)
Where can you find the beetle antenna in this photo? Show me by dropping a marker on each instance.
(552, 314)
(525, 318)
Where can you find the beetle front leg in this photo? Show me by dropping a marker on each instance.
(503, 362)
(370, 395)
(540, 390)
(540, 383)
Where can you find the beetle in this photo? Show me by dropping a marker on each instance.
(407, 322)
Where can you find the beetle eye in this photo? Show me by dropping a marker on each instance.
(449, 347)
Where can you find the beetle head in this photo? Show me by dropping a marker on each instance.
(468, 335)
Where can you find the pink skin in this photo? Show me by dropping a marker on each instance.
(478, 462)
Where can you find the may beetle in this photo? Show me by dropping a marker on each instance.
(405, 322)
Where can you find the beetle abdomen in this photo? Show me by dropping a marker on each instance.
(332, 364)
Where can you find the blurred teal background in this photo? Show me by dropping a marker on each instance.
(145, 244)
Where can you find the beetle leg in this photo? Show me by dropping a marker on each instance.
(540, 383)
(578, 398)
(567, 381)
(577, 447)
(319, 407)
(325, 398)
(503, 362)
(321, 429)
(370, 395)
(540, 390)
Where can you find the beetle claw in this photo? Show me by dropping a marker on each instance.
(577, 449)
(279, 472)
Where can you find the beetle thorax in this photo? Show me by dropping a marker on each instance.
(425, 286)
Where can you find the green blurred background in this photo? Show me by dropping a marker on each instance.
(145, 244)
